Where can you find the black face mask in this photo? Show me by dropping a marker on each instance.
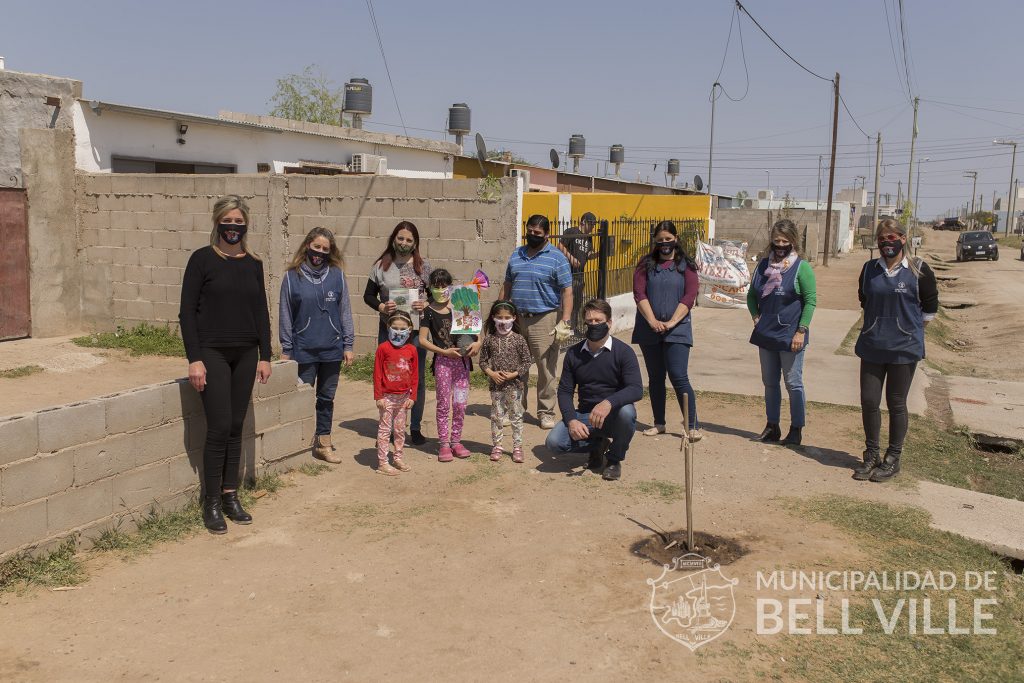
(666, 248)
(782, 252)
(535, 241)
(890, 248)
(315, 258)
(597, 332)
(226, 227)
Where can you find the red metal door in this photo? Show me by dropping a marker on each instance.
(15, 316)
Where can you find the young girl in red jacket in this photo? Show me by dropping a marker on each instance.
(395, 374)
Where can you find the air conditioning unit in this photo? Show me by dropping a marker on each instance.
(748, 203)
(369, 163)
(521, 173)
(765, 195)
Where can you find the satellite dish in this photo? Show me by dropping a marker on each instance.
(481, 153)
(698, 183)
(554, 158)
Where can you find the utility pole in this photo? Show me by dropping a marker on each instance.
(917, 191)
(910, 169)
(878, 161)
(1009, 197)
(711, 142)
(899, 195)
(831, 172)
(974, 191)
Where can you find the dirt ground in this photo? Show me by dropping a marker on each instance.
(467, 570)
(72, 373)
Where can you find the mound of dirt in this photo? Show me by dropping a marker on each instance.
(662, 549)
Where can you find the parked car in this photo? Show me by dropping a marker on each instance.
(976, 244)
(951, 224)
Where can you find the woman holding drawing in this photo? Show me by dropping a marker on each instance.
(399, 279)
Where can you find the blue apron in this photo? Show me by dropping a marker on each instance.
(780, 311)
(893, 329)
(665, 287)
(316, 318)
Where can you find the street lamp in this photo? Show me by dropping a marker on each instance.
(1009, 196)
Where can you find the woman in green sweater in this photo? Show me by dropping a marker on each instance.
(781, 301)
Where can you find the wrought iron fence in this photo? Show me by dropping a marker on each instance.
(612, 250)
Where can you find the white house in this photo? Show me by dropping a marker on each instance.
(122, 138)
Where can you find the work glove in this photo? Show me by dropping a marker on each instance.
(562, 331)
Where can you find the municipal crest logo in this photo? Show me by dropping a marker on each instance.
(692, 602)
(331, 296)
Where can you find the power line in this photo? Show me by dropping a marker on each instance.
(793, 59)
(851, 116)
(892, 47)
(380, 44)
(725, 54)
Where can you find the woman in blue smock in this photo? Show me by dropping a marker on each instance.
(899, 296)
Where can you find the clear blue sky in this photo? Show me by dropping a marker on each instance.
(533, 73)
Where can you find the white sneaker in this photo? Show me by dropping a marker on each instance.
(547, 422)
(654, 431)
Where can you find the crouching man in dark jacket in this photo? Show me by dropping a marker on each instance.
(606, 373)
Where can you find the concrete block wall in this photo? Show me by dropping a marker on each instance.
(81, 468)
(754, 226)
(136, 232)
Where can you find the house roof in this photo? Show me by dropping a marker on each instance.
(273, 124)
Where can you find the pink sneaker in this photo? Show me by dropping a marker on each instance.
(517, 455)
(460, 451)
(445, 454)
(496, 454)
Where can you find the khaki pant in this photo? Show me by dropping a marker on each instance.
(537, 329)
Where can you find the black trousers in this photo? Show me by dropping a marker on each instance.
(897, 378)
(230, 374)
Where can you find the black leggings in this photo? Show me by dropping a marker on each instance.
(230, 374)
(897, 378)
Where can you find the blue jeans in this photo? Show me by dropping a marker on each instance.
(791, 367)
(421, 384)
(619, 426)
(673, 360)
(323, 376)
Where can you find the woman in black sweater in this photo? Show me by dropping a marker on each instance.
(225, 325)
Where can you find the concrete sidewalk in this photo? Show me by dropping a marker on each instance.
(993, 410)
(724, 360)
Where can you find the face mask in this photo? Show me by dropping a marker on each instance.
(535, 241)
(504, 325)
(239, 231)
(782, 252)
(440, 294)
(316, 258)
(404, 249)
(890, 248)
(597, 332)
(398, 337)
(666, 248)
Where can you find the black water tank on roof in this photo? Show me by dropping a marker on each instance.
(358, 97)
(458, 118)
(617, 154)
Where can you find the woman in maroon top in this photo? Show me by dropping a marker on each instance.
(665, 287)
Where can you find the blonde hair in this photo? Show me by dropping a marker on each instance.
(785, 228)
(220, 209)
(891, 225)
(333, 256)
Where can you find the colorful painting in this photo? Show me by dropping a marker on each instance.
(467, 317)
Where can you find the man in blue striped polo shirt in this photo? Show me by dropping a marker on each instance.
(538, 281)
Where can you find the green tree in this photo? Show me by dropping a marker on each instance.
(506, 155)
(741, 195)
(307, 96)
(908, 214)
(985, 219)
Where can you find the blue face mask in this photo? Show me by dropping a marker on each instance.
(398, 337)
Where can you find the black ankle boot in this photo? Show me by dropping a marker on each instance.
(771, 433)
(213, 515)
(794, 437)
(889, 468)
(233, 509)
(871, 461)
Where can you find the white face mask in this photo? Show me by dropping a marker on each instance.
(504, 325)
(398, 337)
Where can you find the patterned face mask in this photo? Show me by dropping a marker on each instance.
(504, 325)
(440, 294)
(397, 336)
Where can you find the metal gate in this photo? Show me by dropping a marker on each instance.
(615, 249)
(15, 316)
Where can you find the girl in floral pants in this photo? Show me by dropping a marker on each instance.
(505, 358)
